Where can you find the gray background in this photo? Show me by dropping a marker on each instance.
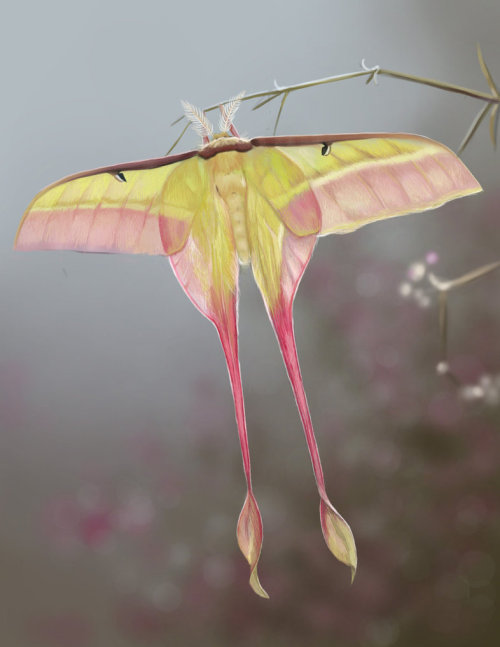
(97, 351)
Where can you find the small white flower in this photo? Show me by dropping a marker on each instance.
(405, 289)
(416, 271)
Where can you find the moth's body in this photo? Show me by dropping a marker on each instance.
(227, 174)
(237, 201)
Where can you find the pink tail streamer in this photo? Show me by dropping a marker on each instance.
(296, 253)
(336, 531)
(220, 307)
(282, 320)
(249, 530)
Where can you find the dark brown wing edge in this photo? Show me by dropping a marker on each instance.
(305, 140)
(155, 162)
(241, 145)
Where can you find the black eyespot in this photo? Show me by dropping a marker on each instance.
(120, 177)
(325, 149)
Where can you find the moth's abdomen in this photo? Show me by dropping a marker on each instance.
(231, 186)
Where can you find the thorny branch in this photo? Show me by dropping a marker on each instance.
(491, 100)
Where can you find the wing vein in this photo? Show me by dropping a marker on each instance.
(438, 162)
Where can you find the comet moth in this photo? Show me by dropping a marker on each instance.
(261, 202)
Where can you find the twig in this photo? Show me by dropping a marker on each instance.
(492, 99)
(487, 387)
(443, 287)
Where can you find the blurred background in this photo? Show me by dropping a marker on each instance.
(121, 479)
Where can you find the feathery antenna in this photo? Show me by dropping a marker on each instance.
(228, 111)
(199, 120)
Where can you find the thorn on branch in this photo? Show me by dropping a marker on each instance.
(494, 126)
(374, 72)
(487, 73)
(285, 97)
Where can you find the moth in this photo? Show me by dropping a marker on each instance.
(261, 202)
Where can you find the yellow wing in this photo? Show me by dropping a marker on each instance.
(352, 180)
(137, 208)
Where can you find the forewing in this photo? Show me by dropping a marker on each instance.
(137, 208)
(357, 179)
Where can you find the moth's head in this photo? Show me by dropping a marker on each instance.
(222, 135)
(204, 128)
